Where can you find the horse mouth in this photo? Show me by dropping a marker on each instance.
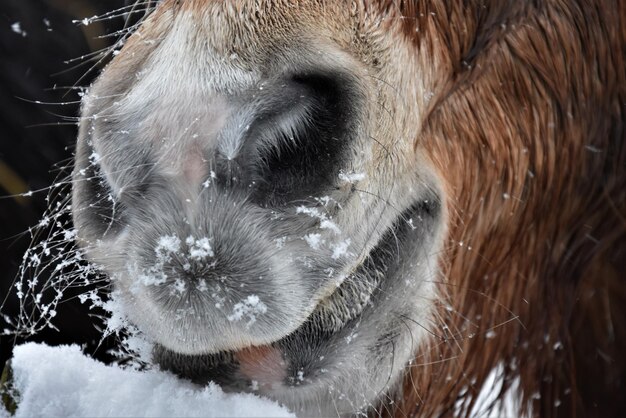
(304, 355)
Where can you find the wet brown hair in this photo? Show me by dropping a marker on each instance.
(527, 131)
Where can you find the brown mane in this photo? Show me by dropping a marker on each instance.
(527, 129)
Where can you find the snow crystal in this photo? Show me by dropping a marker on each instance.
(309, 211)
(212, 177)
(314, 240)
(351, 177)
(86, 21)
(61, 381)
(69, 234)
(341, 249)
(202, 285)
(168, 244)
(199, 248)
(351, 337)
(17, 28)
(324, 200)
(150, 278)
(327, 224)
(180, 286)
(95, 158)
(505, 406)
(250, 307)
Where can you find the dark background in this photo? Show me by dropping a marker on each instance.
(37, 139)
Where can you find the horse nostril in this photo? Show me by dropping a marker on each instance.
(290, 137)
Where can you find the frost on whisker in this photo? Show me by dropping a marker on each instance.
(133, 15)
(50, 267)
(54, 270)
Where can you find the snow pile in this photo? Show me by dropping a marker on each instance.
(490, 403)
(61, 381)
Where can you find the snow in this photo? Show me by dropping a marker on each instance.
(250, 307)
(351, 177)
(341, 249)
(199, 248)
(86, 21)
(325, 222)
(507, 406)
(17, 28)
(61, 381)
(168, 244)
(314, 240)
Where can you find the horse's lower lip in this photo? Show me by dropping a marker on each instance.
(262, 364)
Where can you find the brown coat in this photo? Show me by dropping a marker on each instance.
(528, 133)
